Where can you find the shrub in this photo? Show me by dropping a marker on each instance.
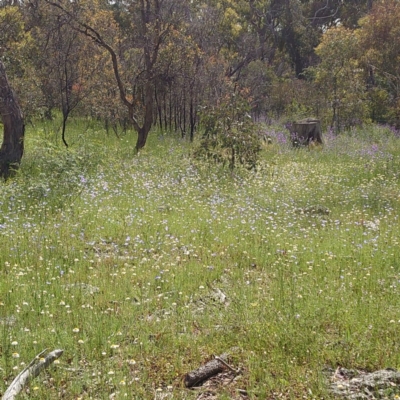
(55, 175)
(230, 136)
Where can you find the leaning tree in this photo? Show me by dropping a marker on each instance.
(12, 147)
(134, 51)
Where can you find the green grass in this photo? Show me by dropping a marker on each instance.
(116, 259)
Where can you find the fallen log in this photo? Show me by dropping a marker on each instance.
(206, 371)
(31, 371)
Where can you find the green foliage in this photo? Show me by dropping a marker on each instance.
(378, 36)
(230, 136)
(339, 77)
(379, 104)
(12, 29)
(258, 77)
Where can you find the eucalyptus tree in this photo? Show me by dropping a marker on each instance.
(64, 63)
(133, 42)
(329, 13)
(379, 36)
(339, 76)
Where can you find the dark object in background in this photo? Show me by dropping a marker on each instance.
(303, 132)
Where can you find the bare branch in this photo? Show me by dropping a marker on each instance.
(31, 371)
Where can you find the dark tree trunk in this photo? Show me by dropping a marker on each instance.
(159, 109)
(141, 139)
(12, 148)
(165, 112)
(184, 116)
(64, 127)
(143, 131)
(192, 120)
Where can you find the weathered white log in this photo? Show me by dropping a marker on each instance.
(30, 372)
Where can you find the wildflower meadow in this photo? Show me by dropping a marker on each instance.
(142, 268)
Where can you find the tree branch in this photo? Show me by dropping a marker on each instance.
(30, 372)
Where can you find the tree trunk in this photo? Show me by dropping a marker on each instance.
(143, 131)
(12, 148)
(65, 113)
(141, 139)
(192, 119)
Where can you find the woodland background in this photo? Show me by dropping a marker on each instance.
(170, 62)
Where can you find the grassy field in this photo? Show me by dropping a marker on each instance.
(142, 268)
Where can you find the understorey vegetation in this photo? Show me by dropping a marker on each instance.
(144, 268)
